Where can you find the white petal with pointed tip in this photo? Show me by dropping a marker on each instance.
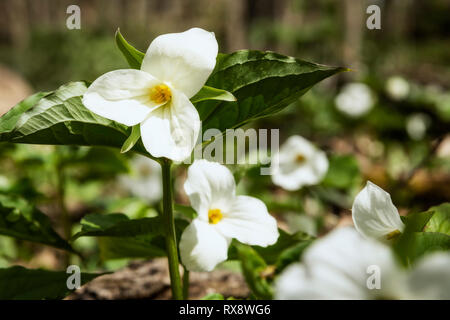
(171, 131)
(248, 221)
(202, 247)
(209, 185)
(374, 214)
(185, 60)
(122, 96)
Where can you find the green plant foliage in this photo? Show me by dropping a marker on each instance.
(19, 283)
(254, 268)
(440, 221)
(343, 172)
(21, 220)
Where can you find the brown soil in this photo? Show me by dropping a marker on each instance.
(150, 280)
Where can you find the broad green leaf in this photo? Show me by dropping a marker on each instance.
(121, 237)
(132, 139)
(427, 242)
(10, 119)
(21, 220)
(406, 246)
(118, 225)
(263, 84)
(254, 268)
(133, 56)
(291, 255)
(440, 221)
(343, 172)
(19, 283)
(285, 241)
(59, 118)
(140, 246)
(210, 93)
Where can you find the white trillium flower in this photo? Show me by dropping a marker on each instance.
(298, 163)
(355, 99)
(145, 180)
(222, 216)
(374, 214)
(397, 88)
(344, 265)
(175, 68)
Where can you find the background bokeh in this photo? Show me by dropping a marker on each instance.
(401, 143)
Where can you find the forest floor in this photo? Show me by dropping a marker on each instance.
(150, 280)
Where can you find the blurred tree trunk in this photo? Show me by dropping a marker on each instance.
(236, 26)
(354, 13)
(18, 22)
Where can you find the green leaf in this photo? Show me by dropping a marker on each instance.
(440, 221)
(186, 211)
(285, 241)
(21, 220)
(118, 225)
(9, 120)
(343, 172)
(253, 268)
(210, 93)
(427, 242)
(406, 246)
(141, 246)
(263, 84)
(59, 118)
(291, 255)
(213, 296)
(132, 139)
(19, 283)
(133, 56)
(121, 237)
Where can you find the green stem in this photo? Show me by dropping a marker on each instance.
(64, 213)
(169, 223)
(186, 284)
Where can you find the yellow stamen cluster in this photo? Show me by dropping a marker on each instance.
(393, 234)
(214, 215)
(160, 93)
(300, 158)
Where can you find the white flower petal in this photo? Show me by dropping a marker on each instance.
(145, 180)
(202, 247)
(185, 60)
(209, 185)
(431, 277)
(248, 221)
(355, 99)
(338, 266)
(374, 214)
(294, 284)
(290, 173)
(122, 96)
(171, 131)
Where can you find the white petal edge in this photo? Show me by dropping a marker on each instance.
(249, 222)
(202, 247)
(185, 60)
(430, 279)
(122, 96)
(374, 214)
(209, 185)
(171, 131)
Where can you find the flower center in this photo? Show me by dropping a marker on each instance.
(160, 93)
(393, 234)
(300, 158)
(214, 215)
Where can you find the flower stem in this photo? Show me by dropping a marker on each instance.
(171, 240)
(186, 284)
